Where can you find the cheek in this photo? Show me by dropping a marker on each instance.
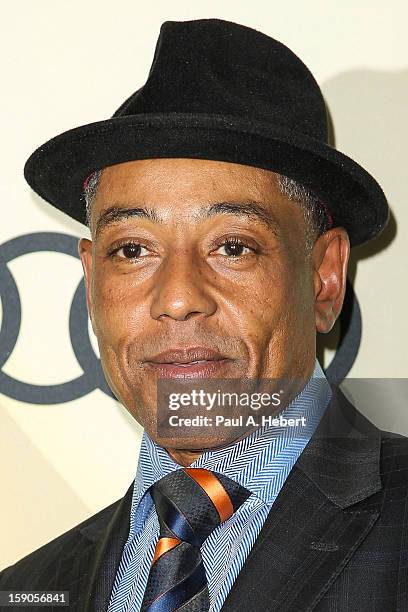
(265, 297)
(257, 311)
(117, 311)
(274, 307)
(119, 317)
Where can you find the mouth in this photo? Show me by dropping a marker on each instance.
(193, 362)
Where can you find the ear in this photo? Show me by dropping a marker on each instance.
(85, 253)
(330, 260)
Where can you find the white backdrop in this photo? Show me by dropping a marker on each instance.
(70, 62)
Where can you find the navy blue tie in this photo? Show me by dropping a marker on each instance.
(190, 504)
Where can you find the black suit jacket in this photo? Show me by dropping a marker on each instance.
(336, 538)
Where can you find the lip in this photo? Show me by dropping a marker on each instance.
(184, 355)
(198, 369)
(185, 362)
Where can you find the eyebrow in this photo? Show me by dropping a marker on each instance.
(248, 209)
(116, 214)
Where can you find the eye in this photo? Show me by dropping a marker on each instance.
(131, 250)
(234, 247)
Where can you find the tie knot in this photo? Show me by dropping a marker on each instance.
(192, 502)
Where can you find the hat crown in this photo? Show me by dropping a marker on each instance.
(225, 92)
(216, 67)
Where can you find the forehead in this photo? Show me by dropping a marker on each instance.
(163, 181)
(180, 193)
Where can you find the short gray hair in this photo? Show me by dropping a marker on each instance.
(317, 218)
(90, 189)
(314, 210)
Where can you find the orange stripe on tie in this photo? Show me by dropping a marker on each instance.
(164, 545)
(214, 489)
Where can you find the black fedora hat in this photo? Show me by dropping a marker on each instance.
(220, 91)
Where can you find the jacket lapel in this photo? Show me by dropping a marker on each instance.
(327, 506)
(108, 555)
(88, 569)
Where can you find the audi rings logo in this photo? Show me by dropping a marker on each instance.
(92, 376)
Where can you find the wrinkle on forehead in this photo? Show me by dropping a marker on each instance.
(178, 188)
(178, 177)
(250, 210)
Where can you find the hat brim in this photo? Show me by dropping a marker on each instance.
(57, 169)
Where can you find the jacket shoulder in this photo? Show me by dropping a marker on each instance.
(38, 569)
(391, 448)
(394, 458)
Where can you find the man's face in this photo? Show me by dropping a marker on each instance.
(193, 253)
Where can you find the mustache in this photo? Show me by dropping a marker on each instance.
(154, 344)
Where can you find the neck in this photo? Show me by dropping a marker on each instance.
(184, 457)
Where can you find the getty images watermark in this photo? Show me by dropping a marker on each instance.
(197, 408)
(222, 400)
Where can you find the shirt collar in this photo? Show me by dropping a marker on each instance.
(251, 458)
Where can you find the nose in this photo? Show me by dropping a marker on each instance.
(181, 291)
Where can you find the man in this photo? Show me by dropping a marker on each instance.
(221, 224)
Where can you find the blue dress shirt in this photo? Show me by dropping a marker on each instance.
(261, 462)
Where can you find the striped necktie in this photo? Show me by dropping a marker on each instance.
(190, 503)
